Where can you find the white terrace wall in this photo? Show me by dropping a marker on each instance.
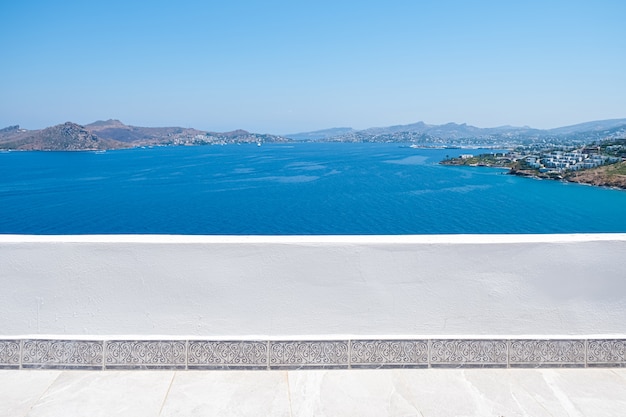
(313, 286)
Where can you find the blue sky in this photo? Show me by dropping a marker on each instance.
(291, 66)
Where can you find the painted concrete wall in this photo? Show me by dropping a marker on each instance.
(313, 286)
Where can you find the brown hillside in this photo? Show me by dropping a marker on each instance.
(613, 175)
(64, 137)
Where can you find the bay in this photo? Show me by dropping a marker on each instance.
(288, 189)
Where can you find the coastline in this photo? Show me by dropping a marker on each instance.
(602, 176)
(588, 177)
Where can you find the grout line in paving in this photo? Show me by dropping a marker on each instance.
(167, 393)
(289, 393)
(43, 394)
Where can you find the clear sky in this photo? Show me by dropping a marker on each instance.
(292, 66)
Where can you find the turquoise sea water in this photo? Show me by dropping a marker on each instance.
(304, 188)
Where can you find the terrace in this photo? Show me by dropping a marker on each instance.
(313, 325)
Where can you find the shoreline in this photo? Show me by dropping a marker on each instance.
(602, 183)
(595, 177)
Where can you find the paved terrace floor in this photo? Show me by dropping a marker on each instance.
(390, 392)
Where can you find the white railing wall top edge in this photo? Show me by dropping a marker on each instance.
(316, 239)
(315, 337)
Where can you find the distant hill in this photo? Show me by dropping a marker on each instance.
(320, 134)
(113, 134)
(116, 130)
(64, 137)
(466, 135)
(159, 136)
(595, 126)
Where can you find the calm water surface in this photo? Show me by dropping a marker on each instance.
(308, 188)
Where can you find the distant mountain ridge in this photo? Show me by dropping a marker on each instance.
(320, 134)
(594, 126)
(465, 135)
(113, 134)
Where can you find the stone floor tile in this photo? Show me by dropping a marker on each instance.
(451, 392)
(514, 392)
(228, 393)
(589, 392)
(348, 393)
(385, 392)
(104, 393)
(20, 390)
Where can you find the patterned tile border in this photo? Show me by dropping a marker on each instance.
(547, 353)
(61, 354)
(323, 354)
(227, 355)
(10, 354)
(146, 354)
(469, 353)
(606, 352)
(311, 354)
(389, 353)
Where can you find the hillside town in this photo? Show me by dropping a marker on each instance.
(602, 163)
(559, 161)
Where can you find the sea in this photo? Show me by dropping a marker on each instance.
(289, 189)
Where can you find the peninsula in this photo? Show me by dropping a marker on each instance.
(600, 163)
